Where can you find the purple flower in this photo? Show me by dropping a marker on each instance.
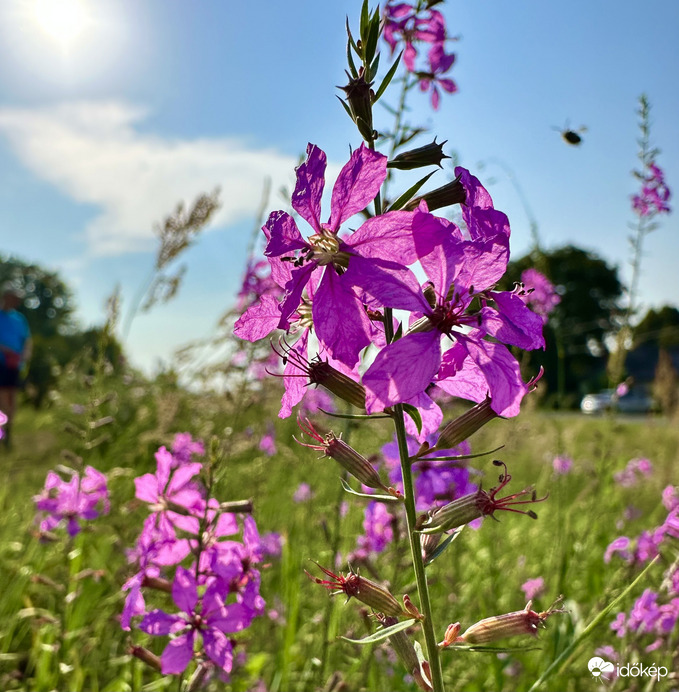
(562, 465)
(458, 303)
(436, 482)
(209, 616)
(184, 447)
(631, 474)
(670, 497)
(619, 545)
(654, 195)
(268, 442)
(170, 487)
(540, 294)
(343, 274)
(303, 493)
(72, 500)
(378, 525)
(533, 588)
(3, 420)
(431, 80)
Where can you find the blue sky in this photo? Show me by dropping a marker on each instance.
(157, 101)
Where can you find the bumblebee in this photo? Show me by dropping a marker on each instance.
(572, 137)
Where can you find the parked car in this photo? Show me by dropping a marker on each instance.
(635, 401)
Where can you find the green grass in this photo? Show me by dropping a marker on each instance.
(60, 601)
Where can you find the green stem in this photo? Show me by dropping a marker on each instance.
(413, 536)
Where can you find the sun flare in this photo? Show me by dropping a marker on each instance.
(61, 20)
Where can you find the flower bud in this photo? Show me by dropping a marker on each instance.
(341, 385)
(498, 627)
(464, 426)
(445, 196)
(428, 155)
(364, 590)
(476, 505)
(346, 456)
(359, 96)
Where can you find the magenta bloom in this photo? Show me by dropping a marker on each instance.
(209, 616)
(342, 273)
(3, 420)
(562, 465)
(458, 303)
(540, 295)
(654, 196)
(533, 588)
(72, 500)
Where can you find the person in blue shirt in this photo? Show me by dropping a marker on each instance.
(15, 351)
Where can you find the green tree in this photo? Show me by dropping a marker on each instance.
(575, 355)
(48, 306)
(660, 327)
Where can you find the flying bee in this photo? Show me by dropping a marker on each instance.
(571, 136)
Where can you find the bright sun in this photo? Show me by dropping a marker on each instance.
(62, 20)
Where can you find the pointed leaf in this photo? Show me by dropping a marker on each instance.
(383, 634)
(350, 58)
(410, 193)
(387, 79)
(372, 498)
(442, 546)
(414, 413)
(346, 107)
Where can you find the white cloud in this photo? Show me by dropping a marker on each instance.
(94, 153)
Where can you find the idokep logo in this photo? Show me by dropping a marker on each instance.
(599, 666)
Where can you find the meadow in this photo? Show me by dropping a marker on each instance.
(61, 600)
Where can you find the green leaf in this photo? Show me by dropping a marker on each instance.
(410, 193)
(373, 38)
(374, 67)
(365, 26)
(372, 498)
(383, 634)
(414, 413)
(423, 457)
(478, 648)
(387, 79)
(346, 107)
(352, 43)
(354, 416)
(442, 546)
(350, 59)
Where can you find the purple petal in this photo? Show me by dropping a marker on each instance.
(390, 283)
(357, 185)
(389, 236)
(306, 199)
(146, 488)
(218, 648)
(513, 323)
(342, 325)
(184, 591)
(485, 262)
(283, 234)
(502, 373)
(159, 623)
(234, 618)
(440, 249)
(402, 370)
(459, 376)
(177, 654)
(259, 320)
